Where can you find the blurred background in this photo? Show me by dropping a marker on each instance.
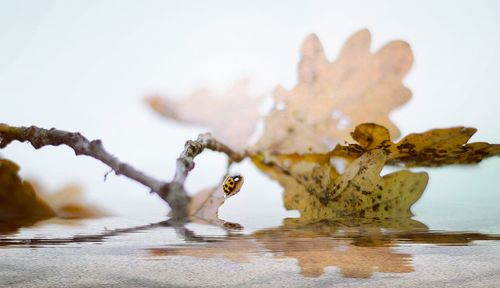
(88, 65)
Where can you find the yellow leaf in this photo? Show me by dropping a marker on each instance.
(331, 98)
(318, 193)
(432, 148)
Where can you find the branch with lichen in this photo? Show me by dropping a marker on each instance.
(171, 192)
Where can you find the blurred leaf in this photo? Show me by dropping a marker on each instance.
(319, 192)
(432, 148)
(18, 200)
(231, 118)
(69, 203)
(23, 204)
(331, 98)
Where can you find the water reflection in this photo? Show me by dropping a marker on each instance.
(357, 247)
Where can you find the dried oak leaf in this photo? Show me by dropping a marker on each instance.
(313, 171)
(232, 118)
(331, 98)
(432, 148)
(359, 192)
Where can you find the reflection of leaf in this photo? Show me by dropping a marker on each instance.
(432, 148)
(355, 227)
(232, 118)
(331, 98)
(234, 249)
(359, 192)
(357, 247)
(316, 253)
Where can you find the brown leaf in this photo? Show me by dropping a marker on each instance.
(432, 148)
(319, 193)
(18, 199)
(331, 98)
(231, 118)
(23, 204)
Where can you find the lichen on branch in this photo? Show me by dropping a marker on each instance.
(172, 192)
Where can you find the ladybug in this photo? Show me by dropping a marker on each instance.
(232, 185)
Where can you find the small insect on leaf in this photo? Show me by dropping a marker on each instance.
(232, 185)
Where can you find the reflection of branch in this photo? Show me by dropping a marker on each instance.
(181, 231)
(172, 192)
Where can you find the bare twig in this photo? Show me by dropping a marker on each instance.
(185, 163)
(172, 192)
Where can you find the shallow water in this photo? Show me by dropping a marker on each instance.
(55, 253)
